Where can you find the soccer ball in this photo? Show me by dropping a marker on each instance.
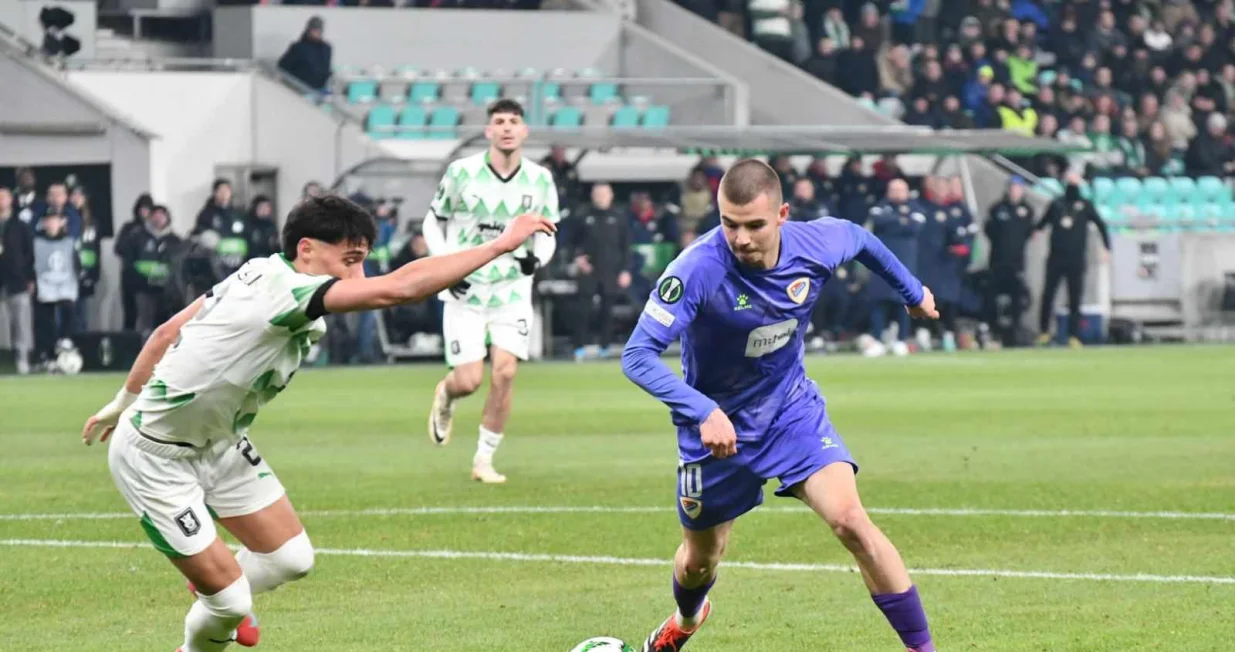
(603, 644)
(68, 359)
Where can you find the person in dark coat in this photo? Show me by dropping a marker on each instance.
(932, 241)
(309, 59)
(898, 222)
(1008, 229)
(127, 247)
(960, 231)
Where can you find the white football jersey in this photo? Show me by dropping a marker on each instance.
(234, 356)
(475, 205)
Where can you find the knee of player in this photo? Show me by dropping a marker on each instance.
(702, 563)
(296, 558)
(504, 372)
(232, 603)
(850, 524)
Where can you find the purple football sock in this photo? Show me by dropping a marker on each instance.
(905, 613)
(690, 600)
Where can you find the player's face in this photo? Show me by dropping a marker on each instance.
(753, 230)
(342, 260)
(506, 132)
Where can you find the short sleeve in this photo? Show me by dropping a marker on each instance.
(446, 199)
(679, 294)
(297, 299)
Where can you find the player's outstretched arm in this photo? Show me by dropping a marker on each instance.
(104, 421)
(421, 279)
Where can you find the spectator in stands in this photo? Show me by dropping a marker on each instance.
(565, 177)
(16, 282)
(603, 260)
(698, 206)
(154, 247)
(27, 203)
(263, 229)
(861, 70)
(1211, 153)
(309, 59)
(920, 113)
(953, 116)
(1161, 157)
(223, 229)
(824, 64)
(836, 29)
(652, 226)
(1132, 150)
(126, 247)
(87, 257)
(1177, 118)
(896, 70)
(1105, 157)
(58, 203)
(55, 269)
(871, 29)
(1017, 116)
(788, 175)
(931, 85)
(804, 206)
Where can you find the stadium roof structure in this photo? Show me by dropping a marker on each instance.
(768, 140)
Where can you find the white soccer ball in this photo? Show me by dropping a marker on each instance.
(68, 359)
(603, 644)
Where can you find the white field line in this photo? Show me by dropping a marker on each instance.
(606, 509)
(635, 561)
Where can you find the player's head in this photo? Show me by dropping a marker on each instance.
(329, 235)
(752, 210)
(506, 129)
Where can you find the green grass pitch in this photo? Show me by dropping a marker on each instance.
(970, 462)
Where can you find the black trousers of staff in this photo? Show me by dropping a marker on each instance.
(1073, 273)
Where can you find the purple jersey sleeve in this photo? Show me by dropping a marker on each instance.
(673, 305)
(841, 241)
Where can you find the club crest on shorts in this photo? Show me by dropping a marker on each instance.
(799, 289)
(692, 507)
(188, 523)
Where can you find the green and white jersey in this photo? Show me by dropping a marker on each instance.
(233, 357)
(473, 205)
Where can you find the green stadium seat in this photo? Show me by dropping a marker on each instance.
(361, 92)
(1156, 190)
(550, 90)
(656, 116)
(382, 115)
(1103, 189)
(422, 92)
(485, 92)
(567, 117)
(444, 120)
(1183, 189)
(602, 92)
(625, 118)
(1214, 190)
(412, 120)
(1128, 189)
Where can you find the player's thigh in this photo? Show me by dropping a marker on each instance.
(801, 443)
(832, 493)
(510, 330)
(164, 493)
(465, 333)
(713, 491)
(248, 498)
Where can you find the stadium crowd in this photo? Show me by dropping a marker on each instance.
(1149, 83)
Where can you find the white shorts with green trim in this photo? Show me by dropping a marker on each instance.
(177, 490)
(468, 331)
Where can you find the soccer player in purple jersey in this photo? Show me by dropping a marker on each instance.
(741, 298)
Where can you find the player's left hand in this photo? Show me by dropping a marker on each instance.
(718, 435)
(100, 426)
(925, 309)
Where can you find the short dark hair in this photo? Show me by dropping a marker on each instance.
(329, 218)
(505, 105)
(749, 178)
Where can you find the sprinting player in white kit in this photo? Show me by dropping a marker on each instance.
(181, 453)
(490, 311)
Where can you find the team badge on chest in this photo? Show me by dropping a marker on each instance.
(799, 289)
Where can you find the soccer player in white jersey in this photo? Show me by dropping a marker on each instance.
(491, 310)
(181, 455)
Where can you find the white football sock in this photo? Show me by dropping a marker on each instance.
(268, 571)
(213, 618)
(487, 445)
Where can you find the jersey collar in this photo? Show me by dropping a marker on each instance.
(503, 179)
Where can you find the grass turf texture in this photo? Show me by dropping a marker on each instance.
(1147, 429)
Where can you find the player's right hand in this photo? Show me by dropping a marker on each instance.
(925, 309)
(718, 435)
(100, 426)
(521, 228)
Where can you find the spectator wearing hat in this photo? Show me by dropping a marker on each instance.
(309, 59)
